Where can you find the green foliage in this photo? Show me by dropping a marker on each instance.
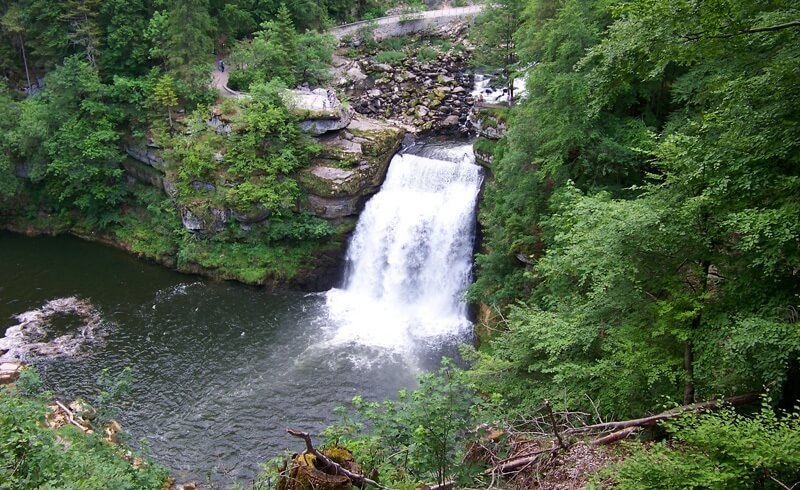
(9, 115)
(154, 229)
(394, 43)
(68, 137)
(29, 384)
(250, 262)
(426, 54)
(278, 51)
(34, 456)
(264, 152)
(645, 238)
(494, 36)
(418, 437)
(717, 451)
(164, 95)
(390, 57)
(123, 22)
(187, 39)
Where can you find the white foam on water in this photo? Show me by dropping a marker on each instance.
(485, 90)
(410, 258)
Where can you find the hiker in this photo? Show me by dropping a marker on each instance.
(331, 98)
(221, 65)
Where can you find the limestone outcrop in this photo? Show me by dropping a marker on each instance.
(350, 167)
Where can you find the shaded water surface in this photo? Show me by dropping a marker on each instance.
(221, 370)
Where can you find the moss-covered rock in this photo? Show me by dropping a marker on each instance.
(304, 475)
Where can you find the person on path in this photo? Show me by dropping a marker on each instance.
(221, 66)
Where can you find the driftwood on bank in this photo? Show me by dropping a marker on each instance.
(669, 414)
(336, 468)
(71, 416)
(606, 433)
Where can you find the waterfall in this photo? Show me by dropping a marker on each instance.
(410, 257)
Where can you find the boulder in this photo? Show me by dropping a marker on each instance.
(450, 121)
(204, 221)
(258, 215)
(321, 125)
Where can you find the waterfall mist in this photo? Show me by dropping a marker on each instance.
(410, 257)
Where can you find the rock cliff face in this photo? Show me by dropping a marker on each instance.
(350, 168)
(351, 165)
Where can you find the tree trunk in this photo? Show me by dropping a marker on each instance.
(688, 348)
(688, 365)
(25, 60)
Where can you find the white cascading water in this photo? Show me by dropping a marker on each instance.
(410, 257)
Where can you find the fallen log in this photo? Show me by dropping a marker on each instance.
(519, 462)
(675, 412)
(618, 431)
(357, 479)
(614, 436)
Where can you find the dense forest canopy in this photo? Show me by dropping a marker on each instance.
(651, 179)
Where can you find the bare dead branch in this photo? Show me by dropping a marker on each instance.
(614, 436)
(696, 36)
(653, 419)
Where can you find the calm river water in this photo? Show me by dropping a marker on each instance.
(221, 370)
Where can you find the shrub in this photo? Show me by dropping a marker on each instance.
(34, 456)
(394, 43)
(240, 80)
(391, 57)
(718, 451)
(443, 44)
(419, 437)
(427, 54)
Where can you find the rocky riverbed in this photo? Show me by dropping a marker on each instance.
(425, 85)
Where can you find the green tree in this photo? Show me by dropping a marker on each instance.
(265, 152)
(188, 39)
(13, 23)
(123, 22)
(83, 31)
(9, 115)
(68, 134)
(418, 437)
(279, 52)
(493, 35)
(164, 95)
(644, 206)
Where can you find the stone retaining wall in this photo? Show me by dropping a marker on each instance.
(401, 25)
